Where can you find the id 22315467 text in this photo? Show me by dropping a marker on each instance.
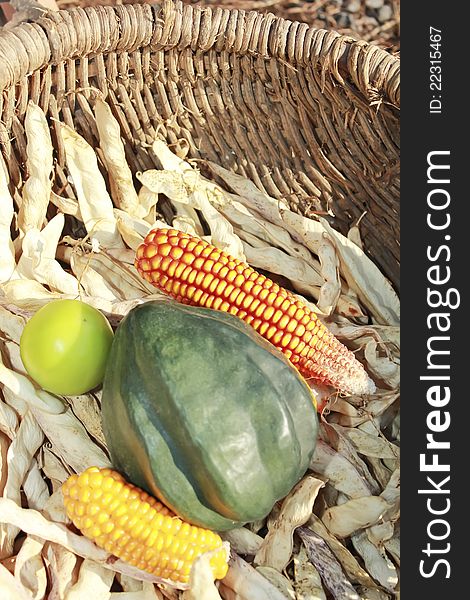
(435, 70)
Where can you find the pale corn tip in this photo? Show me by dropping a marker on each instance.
(134, 526)
(194, 272)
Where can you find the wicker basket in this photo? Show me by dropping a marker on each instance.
(308, 115)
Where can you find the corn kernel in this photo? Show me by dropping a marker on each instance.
(196, 297)
(83, 479)
(191, 278)
(224, 272)
(234, 295)
(294, 343)
(248, 286)
(84, 495)
(217, 267)
(262, 329)
(247, 301)
(180, 268)
(270, 298)
(164, 250)
(199, 277)
(291, 310)
(228, 290)
(270, 332)
(87, 522)
(187, 258)
(254, 305)
(101, 518)
(94, 532)
(283, 322)
(291, 326)
(176, 252)
(264, 293)
(207, 280)
(286, 338)
(96, 493)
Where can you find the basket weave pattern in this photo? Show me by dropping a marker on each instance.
(310, 116)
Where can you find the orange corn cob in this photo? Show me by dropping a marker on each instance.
(194, 272)
(127, 522)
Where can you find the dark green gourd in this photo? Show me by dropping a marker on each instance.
(202, 412)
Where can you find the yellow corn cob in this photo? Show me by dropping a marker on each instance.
(127, 522)
(195, 272)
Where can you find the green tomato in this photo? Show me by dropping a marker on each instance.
(65, 345)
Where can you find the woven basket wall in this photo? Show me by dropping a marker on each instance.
(308, 115)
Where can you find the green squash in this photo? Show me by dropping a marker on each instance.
(202, 412)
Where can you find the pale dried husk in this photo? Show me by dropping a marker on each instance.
(337, 533)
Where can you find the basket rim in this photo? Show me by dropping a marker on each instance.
(76, 33)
